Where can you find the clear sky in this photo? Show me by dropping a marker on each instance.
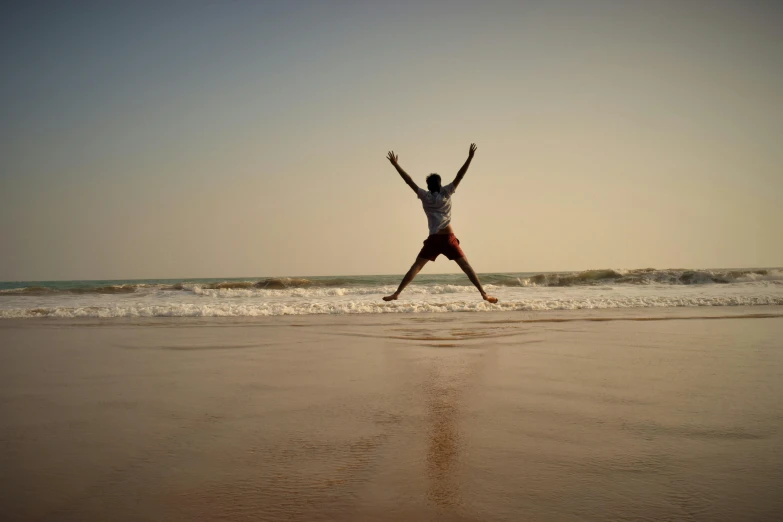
(237, 138)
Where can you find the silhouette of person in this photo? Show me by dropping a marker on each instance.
(436, 201)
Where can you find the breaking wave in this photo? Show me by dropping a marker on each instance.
(650, 276)
(277, 283)
(246, 297)
(438, 284)
(44, 290)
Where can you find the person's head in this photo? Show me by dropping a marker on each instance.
(433, 183)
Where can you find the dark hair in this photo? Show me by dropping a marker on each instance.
(433, 183)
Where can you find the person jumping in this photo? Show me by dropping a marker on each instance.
(437, 205)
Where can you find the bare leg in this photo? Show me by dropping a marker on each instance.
(415, 269)
(465, 266)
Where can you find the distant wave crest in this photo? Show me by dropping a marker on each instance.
(368, 284)
(648, 276)
(275, 283)
(44, 290)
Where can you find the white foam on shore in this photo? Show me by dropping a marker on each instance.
(315, 293)
(254, 309)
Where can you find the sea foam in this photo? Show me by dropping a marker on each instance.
(253, 309)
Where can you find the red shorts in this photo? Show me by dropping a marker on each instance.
(437, 244)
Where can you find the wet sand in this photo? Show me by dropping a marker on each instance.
(664, 414)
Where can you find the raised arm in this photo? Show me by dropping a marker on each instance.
(464, 169)
(392, 157)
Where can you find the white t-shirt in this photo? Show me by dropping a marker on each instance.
(437, 207)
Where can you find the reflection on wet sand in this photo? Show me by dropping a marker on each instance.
(449, 376)
(443, 443)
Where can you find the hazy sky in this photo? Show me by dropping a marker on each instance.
(239, 138)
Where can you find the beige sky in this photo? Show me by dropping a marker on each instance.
(234, 139)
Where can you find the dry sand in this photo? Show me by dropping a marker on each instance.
(464, 417)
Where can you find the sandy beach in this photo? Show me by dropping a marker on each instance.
(643, 414)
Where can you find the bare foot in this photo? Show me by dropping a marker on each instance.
(486, 298)
(393, 297)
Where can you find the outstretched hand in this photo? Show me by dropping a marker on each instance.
(392, 157)
(472, 151)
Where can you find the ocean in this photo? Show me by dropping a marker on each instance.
(239, 297)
